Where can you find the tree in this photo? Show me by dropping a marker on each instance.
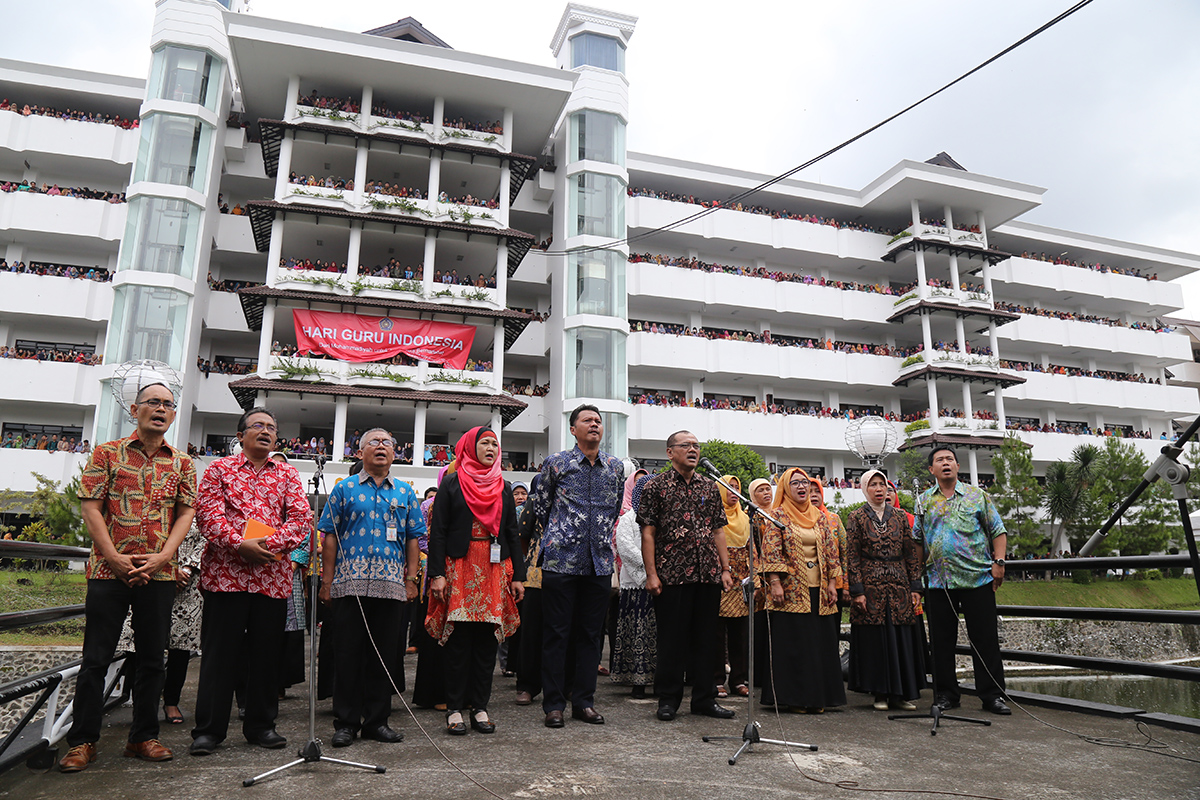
(1017, 496)
(912, 465)
(1066, 487)
(59, 511)
(735, 459)
(1145, 526)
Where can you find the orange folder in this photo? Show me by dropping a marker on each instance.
(258, 530)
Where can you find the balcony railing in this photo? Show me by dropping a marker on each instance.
(426, 377)
(387, 288)
(358, 121)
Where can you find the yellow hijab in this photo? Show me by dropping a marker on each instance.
(737, 529)
(804, 514)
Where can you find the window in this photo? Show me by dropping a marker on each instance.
(597, 369)
(597, 136)
(173, 150)
(150, 322)
(594, 50)
(598, 206)
(186, 75)
(160, 236)
(597, 281)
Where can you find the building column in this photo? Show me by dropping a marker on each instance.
(916, 211)
(357, 197)
(922, 277)
(968, 408)
(505, 200)
(973, 464)
(960, 333)
(427, 265)
(355, 248)
(931, 388)
(275, 251)
(926, 334)
(439, 113)
(982, 232)
(502, 273)
(955, 282)
(507, 136)
(285, 165)
(435, 177)
(364, 116)
(418, 458)
(948, 216)
(265, 337)
(289, 108)
(341, 407)
(1001, 419)
(498, 355)
(497, 422)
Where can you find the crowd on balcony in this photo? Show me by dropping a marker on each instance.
(1077, 429)
(634, 191)
(462, 124)
(766, 337)
(1112, 322)
(451, 278)
(934, 222)
(1077, 372)
(381, 109)
(97, 274)
(1095, 267)
(72, 114)
(286, 350)
(225, 366)
(778, 276)
(328, 182)
(223, 207)
(478, 366)
(544, 244)
(528, 389)
(69, 355)
(53, 443)
(312, 264)
(540, 316)
(229, 286)
(54, 190)
(394, 269)
(348, 104)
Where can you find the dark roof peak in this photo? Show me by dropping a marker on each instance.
(943, 159)
(408, 30)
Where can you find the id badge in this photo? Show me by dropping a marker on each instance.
(495, 553)
(391, 531)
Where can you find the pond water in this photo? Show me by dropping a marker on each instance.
(1152, 694)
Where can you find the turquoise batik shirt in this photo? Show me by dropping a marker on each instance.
(358, 511)
(958, 533)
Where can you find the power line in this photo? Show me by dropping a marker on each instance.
(785, 175)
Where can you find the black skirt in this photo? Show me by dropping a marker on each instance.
(887, 659)
(803, 668)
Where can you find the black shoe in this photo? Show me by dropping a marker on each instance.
(639, 693)
(270, 739)
(484, 725)
(342, 737)
(945, 703)
(588, 715)
(719, 712)
(665, 713)
(455, 728)
(996, 706)
(203, 745)
(383, 734)
(554, 719)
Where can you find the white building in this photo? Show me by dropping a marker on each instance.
(443, 162)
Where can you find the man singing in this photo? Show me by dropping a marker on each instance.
(369, 565)
(687, 567)
(577, 501)
(965, 542)
(137, 496)
(246, 580)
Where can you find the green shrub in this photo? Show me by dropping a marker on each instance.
(1082, 576)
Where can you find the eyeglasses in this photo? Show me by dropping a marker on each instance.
(798, 484)
(688, 445)
(154, 402)
(381, 443)
(261, 426)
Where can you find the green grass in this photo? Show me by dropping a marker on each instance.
(45, 589)
(1166, 594)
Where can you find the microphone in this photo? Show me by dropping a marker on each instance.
(708, 465)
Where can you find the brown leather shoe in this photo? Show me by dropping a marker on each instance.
(149, 750)
(588, 715)
(524, 698)
(554, 719)
(78, 758)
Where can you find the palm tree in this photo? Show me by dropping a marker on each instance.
(1067, 483)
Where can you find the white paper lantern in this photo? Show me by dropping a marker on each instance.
(872, 439)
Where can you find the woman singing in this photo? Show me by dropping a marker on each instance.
(474, 582)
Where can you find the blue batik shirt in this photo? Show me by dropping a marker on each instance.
(358, 510)
(578, 503)
(958, 533)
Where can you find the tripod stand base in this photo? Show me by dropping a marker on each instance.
(935, 714)
(311, 753)
(750, 737)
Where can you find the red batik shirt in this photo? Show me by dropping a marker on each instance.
(231, 491)
(141, 495)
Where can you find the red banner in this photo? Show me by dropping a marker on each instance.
(353, 337)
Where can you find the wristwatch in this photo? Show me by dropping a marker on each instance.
(999, 561)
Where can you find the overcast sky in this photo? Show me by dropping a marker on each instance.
(1103, 110)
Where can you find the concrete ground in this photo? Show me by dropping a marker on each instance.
(635, 756)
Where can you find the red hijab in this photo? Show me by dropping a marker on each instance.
(482, 487)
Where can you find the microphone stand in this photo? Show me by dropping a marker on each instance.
(935, 711)
(750, 735)
(311, 752)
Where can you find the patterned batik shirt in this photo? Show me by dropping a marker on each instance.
(686, 516)
(358, 512)
(141, 494)
(232, 491)
(958, 533)
(578, 503)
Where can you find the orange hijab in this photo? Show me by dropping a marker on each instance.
(804, 514)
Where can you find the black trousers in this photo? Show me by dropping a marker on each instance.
(362, 688)
(733, 634)
(529, 656)
(107, 603)
(241, 633)
(978, 607)
(573, 609)
(470, 664)
(687, 640)
(177, 667)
